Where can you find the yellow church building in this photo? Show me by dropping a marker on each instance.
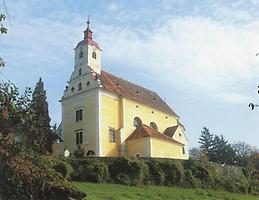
(107, 116)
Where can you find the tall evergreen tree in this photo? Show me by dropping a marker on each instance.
(222, 152)
(41, 137)
(206, 141)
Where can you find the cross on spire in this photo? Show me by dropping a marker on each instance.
(88, 33)
(88, 22)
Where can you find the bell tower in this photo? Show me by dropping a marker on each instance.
(88, 53)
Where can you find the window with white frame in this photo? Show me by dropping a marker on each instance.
(79, 115)
(79, 137)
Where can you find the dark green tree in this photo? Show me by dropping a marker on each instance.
(40, 139)
(221, 151)
(206, 141)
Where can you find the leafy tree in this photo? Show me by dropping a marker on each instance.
(246, 155)
(41, 137)
(242, 149)
(206, 141)
(14, 113)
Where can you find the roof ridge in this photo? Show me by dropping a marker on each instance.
(130, 82)
(160, 133)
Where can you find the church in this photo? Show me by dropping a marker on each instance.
(106, 116)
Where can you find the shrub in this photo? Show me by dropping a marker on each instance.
(61, 166)
(156, 174)
(21, 178)
(136, 170)
(94, 171)
(64, 168)
(123, 179)
(174, 172)
(189, 180)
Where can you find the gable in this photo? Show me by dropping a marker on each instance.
(145, 131)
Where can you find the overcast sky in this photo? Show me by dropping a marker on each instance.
(198, 55)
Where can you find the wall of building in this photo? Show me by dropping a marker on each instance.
(139, 146)
(180, 136)
(95, 64)
(58, 148)
(88, 101)
(132, 109)
(164, 149)
(109, 118)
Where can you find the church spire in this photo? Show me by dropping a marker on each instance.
(88, 33)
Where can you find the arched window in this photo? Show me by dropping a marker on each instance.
(80, 72)
(79, 86)
(153, 125)
(137, 122)
(94, 55)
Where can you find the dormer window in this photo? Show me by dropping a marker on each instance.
(80, 72)
(94, 55)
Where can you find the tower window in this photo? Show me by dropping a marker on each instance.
(79, 86)
(79, 137)
(81, 54)
(183, 149)
(79, 115)
(94, 55)
(72, 89)
(153, 125)
(88, 83)
(137, 122)
(112, 135)
(80, 72)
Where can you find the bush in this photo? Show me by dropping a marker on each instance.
(60, 166)
(94, 171)
(64, 168)
(123, 179)
(174, 172)
(21, 178)
(156, 174)
(133, 168)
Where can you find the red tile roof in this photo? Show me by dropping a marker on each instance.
(146, 131)
(134, 92)
(88, 41)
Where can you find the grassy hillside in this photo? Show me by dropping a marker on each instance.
(120, 192)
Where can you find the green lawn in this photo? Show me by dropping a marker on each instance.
(120, 192)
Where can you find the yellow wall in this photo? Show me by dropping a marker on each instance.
(130, 111)
(139, 146)
(88, 102)
(109, 118)
(179, 136)
(163, 149)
